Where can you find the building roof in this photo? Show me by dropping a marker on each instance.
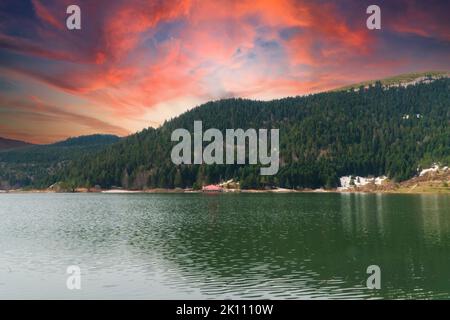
(212, 187)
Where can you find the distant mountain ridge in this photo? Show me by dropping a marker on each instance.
(32, 165)
(94, 139)
(8, 144)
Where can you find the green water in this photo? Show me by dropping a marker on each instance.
(240, 246)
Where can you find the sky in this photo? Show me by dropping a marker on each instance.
(136, 63)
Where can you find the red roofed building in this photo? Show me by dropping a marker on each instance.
(212, 188)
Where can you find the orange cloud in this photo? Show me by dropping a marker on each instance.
(132, 57)
(30, 48)
(49, 115)
(422, 19)
(44, 14)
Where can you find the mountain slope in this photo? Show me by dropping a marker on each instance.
(35, 165)
(371, 131)
(8, 144)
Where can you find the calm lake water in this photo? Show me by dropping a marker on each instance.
(249, 246)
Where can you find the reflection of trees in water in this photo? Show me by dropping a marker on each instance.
(213, 208)
(300, 236)
(436, 222)
(403, 236)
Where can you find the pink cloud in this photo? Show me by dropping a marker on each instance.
(45, 15)
(133, 56)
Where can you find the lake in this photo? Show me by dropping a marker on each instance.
(220, 246)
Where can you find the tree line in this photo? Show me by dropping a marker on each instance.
(368, 131)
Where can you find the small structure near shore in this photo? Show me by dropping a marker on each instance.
(212, 188)
(230, 185)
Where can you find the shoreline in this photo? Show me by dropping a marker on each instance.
(430, 183)
(440, 191)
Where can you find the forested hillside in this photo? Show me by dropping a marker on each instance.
(372, 131)
(36, 165)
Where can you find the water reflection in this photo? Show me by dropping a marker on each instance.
(302, 245)
(228, 246)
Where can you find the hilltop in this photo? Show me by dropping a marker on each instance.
(400, 80)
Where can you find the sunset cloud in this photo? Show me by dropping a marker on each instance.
(140, 62)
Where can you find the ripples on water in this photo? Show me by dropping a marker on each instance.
(249, 246)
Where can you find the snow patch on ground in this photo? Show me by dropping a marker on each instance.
(434, 168)
(348, 182)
